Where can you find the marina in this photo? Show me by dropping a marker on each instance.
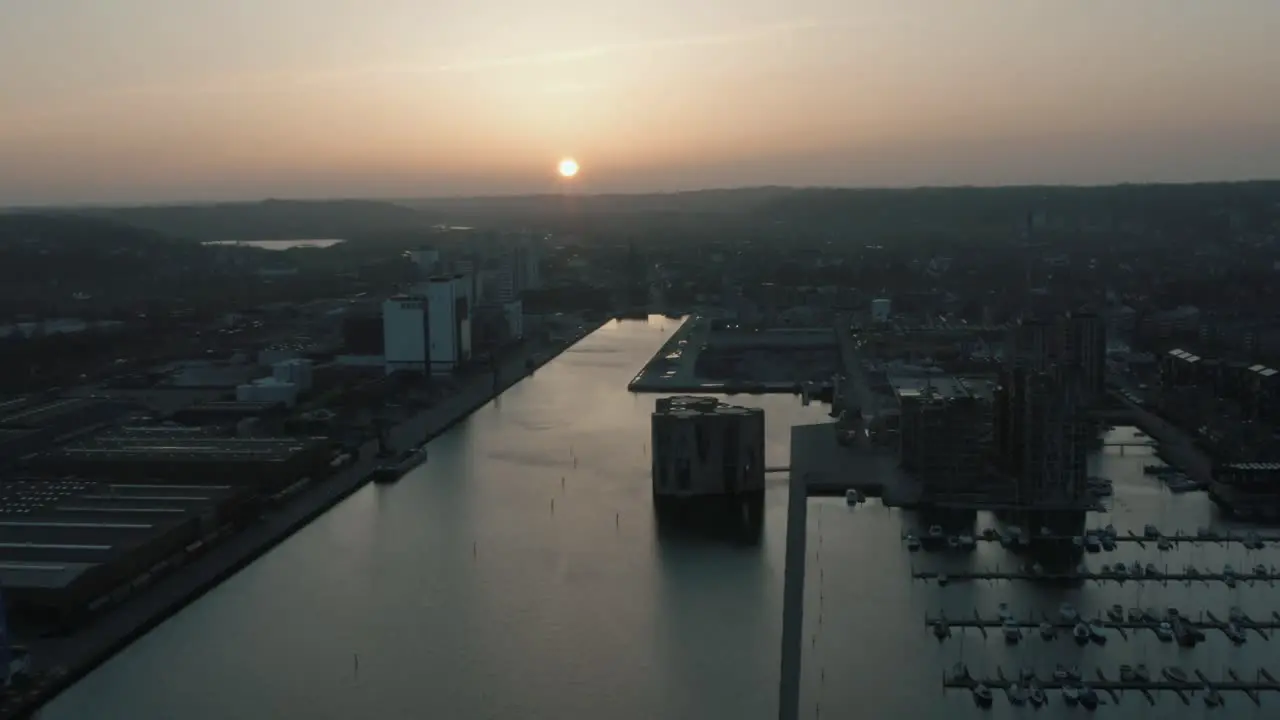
(1052, 628)
(1072, 683)
(1185, 576)
(1249, 540)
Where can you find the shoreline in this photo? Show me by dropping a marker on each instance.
(79, 654)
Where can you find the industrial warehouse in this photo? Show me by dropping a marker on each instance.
(86, 522)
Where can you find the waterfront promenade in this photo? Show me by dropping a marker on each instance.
(71, 657)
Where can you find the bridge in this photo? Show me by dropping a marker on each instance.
(776, 469)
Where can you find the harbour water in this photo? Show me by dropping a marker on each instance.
(518, 574)
(280, 244)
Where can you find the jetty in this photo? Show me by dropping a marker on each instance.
(1255, 540)
(1263, 681)
(1149, 621)
(943, 578)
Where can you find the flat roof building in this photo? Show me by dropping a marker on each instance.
(66, 544)
(266, 463)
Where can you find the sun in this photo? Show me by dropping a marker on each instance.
(568, 168)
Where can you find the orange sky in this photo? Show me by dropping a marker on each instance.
(170, 100)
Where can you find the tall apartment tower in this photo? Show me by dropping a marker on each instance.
(1040, 426)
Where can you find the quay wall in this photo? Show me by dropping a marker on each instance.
(78, 654)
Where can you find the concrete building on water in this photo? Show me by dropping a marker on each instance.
(708, 460)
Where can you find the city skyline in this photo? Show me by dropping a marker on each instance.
(145, 101)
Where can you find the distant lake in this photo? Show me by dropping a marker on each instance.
(279, 244)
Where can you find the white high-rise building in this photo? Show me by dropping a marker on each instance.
(406, 334)
(449, 318)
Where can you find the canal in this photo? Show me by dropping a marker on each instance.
(518, 575)
(461, 592)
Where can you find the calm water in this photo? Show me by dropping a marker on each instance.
(578, 614)
(465, 595)
(279, 244)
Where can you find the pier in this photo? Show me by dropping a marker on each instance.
(1250, 538)
(943, 578)
(1114, 688)
(1149, 621)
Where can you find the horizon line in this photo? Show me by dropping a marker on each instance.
(391, 199)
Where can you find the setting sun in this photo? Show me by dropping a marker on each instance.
(568, 167)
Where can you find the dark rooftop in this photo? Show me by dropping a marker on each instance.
(204, 449)
(52, 531)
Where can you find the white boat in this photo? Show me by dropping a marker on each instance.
(1152, 570)
(1047, 631)
(1164, 631)
(935, 533)
(1116, 613)
(1071, 695)
(1164, 544)
(1045, 531)
(1017, 695)
(1212, 698)
(960, 671)
(1110, 530)
(1078, 541)
(913, 543)
(1097, 634)
(1037, 696)
(1088, 698)
(967, 542)
(953, 542)
(1005, 613)
(851, 498)
(982, 696)
(1235, 633)
(1012, 633)
(1068, 612)
(1092, 543)
(1150, 531)
(1260, 570)
(1134, 615)
(1120, 570)
(941, 629)
(1081, 633)
(1060, 673)
(1108, 543)
(1126, 673)
(1141, 673)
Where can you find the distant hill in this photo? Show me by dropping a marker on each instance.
(269, 219)
(53, 263)
(945, 210)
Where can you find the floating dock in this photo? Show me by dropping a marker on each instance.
(942, 578)
(1142, 540)
(1265, 682)
(1149, 621)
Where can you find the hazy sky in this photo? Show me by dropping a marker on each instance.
(138, 100)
